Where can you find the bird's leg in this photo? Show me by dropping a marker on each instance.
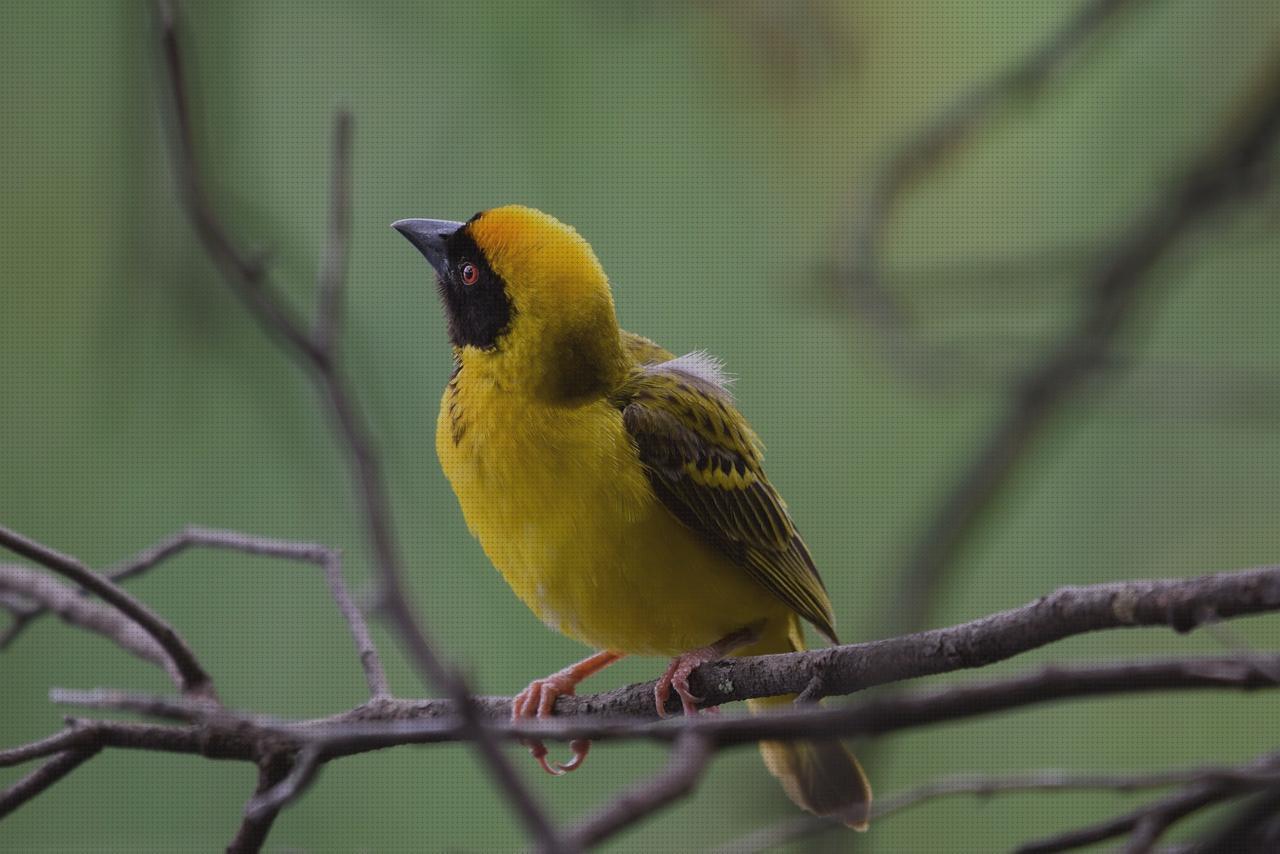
(539, 699)
(677, 675)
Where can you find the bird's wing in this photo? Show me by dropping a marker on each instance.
(704, 463)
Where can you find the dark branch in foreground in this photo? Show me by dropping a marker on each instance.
(378, 725)
(314, 351)
(290, 753)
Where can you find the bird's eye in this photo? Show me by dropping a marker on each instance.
(469, 273)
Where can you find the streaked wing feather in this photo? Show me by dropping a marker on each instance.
(704, 463)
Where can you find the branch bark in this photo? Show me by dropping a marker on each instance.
(193, 678)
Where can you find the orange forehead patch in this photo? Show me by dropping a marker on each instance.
(528, 247)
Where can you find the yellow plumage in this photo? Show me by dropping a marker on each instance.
(616, 488)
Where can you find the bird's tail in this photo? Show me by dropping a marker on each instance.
(819, 776)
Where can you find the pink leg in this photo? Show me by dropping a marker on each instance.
(677, 675)
(539, 699)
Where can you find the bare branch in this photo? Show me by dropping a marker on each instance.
(326, 558)
(333, 266)
(270, 800)
(1227, 172)
(1049, 780)
(194, 680)
(392, 723)
(315, 355)
(46, 594)
(1147, 822)
(244, 273)
(43, 777)
(255, 826)
(690, 755)
(860, 267)
(1253, 827)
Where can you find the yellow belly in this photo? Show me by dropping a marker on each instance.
(560, 504)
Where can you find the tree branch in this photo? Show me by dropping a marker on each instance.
(43, 777)
(314, 352)
(257, 823)
(859, 265)
(43, 594)
(689, 757)
(1146, 823)
(1228, 171)
(193, 678)
(74, 608)
(793, 830)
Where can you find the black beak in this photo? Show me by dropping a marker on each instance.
(428, 236)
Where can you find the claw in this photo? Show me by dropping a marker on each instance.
(677, 677)
(580, 747)
(538, 700)
(677, 674)
(539, 752)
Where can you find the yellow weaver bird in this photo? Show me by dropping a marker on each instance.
(616, 487)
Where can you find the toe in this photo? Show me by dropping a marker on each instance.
(539, 752)
(661, 692)
(580, 747)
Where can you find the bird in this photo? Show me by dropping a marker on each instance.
(615, 486)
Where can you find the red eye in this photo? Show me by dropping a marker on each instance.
(469, 272)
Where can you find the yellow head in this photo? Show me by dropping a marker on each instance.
(527, 302)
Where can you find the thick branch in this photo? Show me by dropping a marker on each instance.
(1181, 604)
(390, 723)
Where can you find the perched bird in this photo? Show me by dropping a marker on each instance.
(616, 487)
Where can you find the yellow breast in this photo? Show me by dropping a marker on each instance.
(562, 507)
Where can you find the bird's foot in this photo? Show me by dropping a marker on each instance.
(677, 674)
(539, 700)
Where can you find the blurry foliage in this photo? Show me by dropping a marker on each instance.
(709, 152)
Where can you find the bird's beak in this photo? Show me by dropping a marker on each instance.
(428, 237)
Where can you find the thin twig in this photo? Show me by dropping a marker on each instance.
(1147, 822)
(43, 777)
(78, 610)
(315, 355)
(256, 824)
(194, 679)
(333, 265)
(46, 594)
(690, 755)
(266, 803)
(860, 267)
(1228, 171)
(1257, 772)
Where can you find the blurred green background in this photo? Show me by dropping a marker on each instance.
(709, 151)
